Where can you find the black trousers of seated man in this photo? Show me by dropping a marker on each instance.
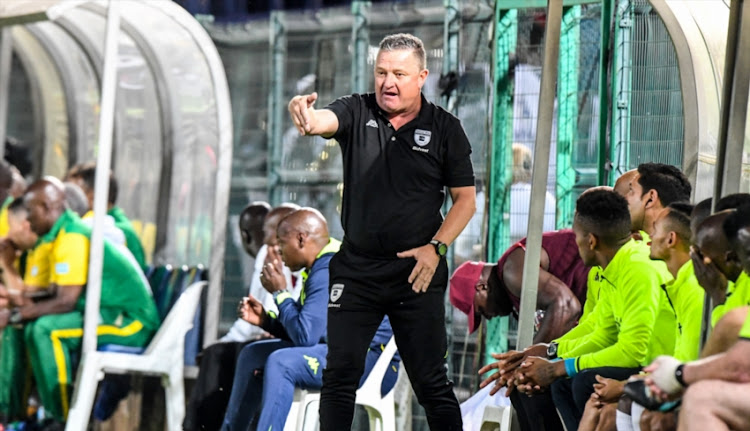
(570, 395)
(536, 412)
(210, 395)
(363, 289)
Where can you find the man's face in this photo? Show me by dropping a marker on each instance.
(269, 230)
(582, 241)
(251, 243)
(38, 216)
(482, 303)
(743, 252)
(19, 231)
(290, 248)
(711, 243)
(398, 81)
(636, 204)
(660, 236)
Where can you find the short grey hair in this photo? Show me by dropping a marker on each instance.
(405, 41)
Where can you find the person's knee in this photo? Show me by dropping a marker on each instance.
(582, 386)
(608, 418)
(282, 364)
(427, 384)
(39, 329)
(700, 395)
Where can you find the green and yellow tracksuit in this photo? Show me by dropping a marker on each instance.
(686, 296)
(4, 217)
(132, 242)
(15, 370)
(632, 322)
(738, 295)
(127, 316)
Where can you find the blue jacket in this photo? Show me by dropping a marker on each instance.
(304, 322)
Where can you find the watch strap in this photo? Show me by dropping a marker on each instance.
(679, 375)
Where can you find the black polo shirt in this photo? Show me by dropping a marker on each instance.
(394, 181)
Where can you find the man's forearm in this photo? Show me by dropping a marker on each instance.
(463, 208)
(732, 366)
(559, 317)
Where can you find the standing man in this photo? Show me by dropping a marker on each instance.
(400, 152)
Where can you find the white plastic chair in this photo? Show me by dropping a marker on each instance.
(164, 357)
(496, 418)
(381, 410)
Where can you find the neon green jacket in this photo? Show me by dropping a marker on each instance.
(593, 296)
(633, 321)
(738, 295)
(686, 296)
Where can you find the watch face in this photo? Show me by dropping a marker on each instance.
(442, 249)
(552, 350)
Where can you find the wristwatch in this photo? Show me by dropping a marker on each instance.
(552, 350)
(440, 247)
(679, 375)
(15, 316)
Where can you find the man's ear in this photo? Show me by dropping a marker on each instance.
(672, 238)
(652, 197)
(732, 258)
(593, 241)
(301, 237)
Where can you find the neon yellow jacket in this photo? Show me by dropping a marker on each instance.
(686, 296)
(634, 322)
(738, 295)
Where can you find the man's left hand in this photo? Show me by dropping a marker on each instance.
(427, 262)
(539, 372)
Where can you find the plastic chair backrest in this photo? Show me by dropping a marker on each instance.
(178, 321)
(158, 277)
(375, 378)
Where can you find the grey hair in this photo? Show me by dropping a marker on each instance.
(405, 41)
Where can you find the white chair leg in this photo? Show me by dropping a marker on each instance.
(388, 417)
(175, 398)
(83, 397)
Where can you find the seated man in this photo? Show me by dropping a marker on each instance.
(14, 369)
(300, 326)
(715, 390)
(53, 328)
(490, 290)
(269, 370)
(212, 388)
(84, 176)
(717, 267)
(670, 242)
(632, 321)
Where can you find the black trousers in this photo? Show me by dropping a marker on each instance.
(362, 291)
(210, 395)
(571, 395)
(536, 412)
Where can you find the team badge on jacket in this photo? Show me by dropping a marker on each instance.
(422, 137)
(336, 291)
